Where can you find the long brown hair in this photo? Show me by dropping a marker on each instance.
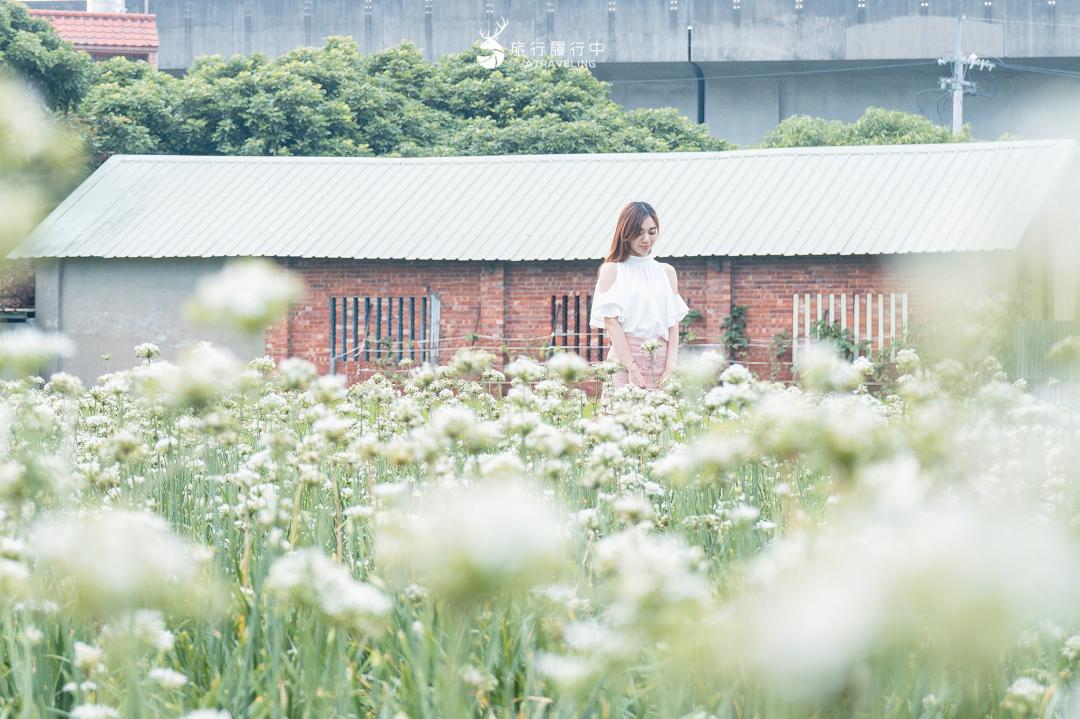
(628, 227)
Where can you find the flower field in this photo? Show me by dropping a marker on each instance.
(211, 539)
(204, 538)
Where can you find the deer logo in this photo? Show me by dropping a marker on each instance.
(492, 53)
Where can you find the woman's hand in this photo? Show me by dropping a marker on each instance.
(664, 376)
(635, 376)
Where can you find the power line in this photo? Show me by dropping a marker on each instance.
(997, 61)
(885, 66)
(1038, 69)
(1011, 21)
(1057, 72)
(782, 73)
(941, 101)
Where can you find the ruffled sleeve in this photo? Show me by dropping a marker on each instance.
(609, 303)
(676, 308)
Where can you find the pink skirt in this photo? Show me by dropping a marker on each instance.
(651, 365)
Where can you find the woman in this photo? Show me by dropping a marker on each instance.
(637, 300)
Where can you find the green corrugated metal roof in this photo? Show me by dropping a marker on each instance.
(803, 201)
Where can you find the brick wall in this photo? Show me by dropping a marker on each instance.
(305, 332)
(936, 283)
(509, 303)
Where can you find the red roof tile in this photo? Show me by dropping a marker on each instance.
(103, 29)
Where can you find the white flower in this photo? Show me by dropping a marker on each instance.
(863, 365)
(632, 507)
(142, 627)
(453, 421)
(296, 372)
(88, 658)
(480, 680)
(653, 581)
(566, 672)
(701, 369)
(147, 350)
(1071, 650)
(525, 369)
(465, 543)
(306, 577)
(821, 368)
(114, 559)
(208, 714)
(588, 518)
(168, 678)
(1066, 349)
(27, 349)
(570, 366)
(743, 514)
(1024, 696)
(506, 465)
(736, 374)
(94, 711)
(206, 373)
(247, 294)
(970, 577)
(334, 428)
(32, 635)
(65, 384)
(468, 361)
(906, 360)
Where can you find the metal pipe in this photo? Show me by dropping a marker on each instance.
(697, 69)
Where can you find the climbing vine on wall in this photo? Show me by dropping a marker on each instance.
(735, 340)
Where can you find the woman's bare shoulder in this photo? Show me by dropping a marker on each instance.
(671, 275)
(605, 278)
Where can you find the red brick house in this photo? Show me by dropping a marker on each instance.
(107, 34)
(421, 256)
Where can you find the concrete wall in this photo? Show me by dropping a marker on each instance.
(111, 305)
(743, 101)
(630, 30)
(766, 60)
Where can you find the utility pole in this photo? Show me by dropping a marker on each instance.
(957, 83)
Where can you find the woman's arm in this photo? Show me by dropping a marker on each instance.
(673, 330)
(619, 344)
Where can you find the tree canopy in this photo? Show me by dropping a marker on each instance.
(31, 47)
(877, 126)
(335, 101)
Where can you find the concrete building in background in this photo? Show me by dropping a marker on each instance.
(418, 257)
(746, 65)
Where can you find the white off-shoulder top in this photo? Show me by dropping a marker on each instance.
(641, 298)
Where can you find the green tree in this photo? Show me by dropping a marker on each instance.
(132, 109)
(335, 101)
(806, 131)
(877, 126)
(32, 49)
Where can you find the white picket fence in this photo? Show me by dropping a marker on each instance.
(861, 308)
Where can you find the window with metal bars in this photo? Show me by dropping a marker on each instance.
(570, 326)
(380, 331)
